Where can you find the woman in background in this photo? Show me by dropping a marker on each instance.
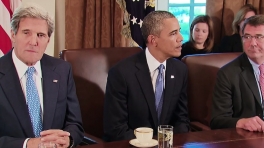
(233, 43)
(201, 37)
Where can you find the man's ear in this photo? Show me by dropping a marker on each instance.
(13, 36)
(152, 40)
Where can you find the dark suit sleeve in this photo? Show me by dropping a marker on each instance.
(182, 121)
(222, 103)
(115, 108)
(73, 120)
(11, 142)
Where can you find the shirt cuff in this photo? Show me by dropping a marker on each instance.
(71, 142)
(25, 143)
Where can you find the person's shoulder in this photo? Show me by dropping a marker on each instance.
(186, 44)
(55, 61)
(3, 59)
(177, 63)
(177, 66)
(214, 48)
(231, 38)
(226, 38)
(235, 35)
(6, 61)
(234, 64)
(187, 49)
(129, 61)
(231, 43)
(232, 70)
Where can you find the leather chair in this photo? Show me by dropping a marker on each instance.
(202, 73)
(90, 69)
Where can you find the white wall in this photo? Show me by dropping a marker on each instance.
(58, 13)
(162, 5)
(60, 26)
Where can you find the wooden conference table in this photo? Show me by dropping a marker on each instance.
(222, 138)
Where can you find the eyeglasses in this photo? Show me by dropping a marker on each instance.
(259, 38)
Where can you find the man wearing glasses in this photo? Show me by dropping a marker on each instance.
(238, 95)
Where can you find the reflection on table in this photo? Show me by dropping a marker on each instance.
(222, 138)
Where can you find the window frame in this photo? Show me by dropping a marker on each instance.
(191, 5)
(164, 5)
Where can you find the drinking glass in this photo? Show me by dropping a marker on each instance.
(165, 136)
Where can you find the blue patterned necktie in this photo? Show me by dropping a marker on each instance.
(159, 90)
(33, 102)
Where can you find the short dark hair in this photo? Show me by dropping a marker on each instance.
(256, 20)
(152, 23)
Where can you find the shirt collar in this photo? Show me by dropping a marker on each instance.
(153, 64)
(254, 65)
(22, 67)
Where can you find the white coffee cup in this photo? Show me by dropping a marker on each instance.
(143, 135)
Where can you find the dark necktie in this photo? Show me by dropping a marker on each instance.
(33, 102)
(159, 90)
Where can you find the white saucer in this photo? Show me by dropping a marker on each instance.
(136, 143)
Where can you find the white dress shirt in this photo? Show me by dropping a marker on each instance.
(153, 65)
(256, 73)
(21, 69)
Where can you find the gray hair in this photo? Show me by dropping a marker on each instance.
(31, 11)
(153, 23)
(255, 21)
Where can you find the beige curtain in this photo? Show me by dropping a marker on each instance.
(93, 24)
(223, 12)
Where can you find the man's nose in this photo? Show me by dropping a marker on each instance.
(253, 41)
(180, 38)
(33, 40)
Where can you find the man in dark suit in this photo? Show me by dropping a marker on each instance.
(238, 96)
(132, 99)
(56, 114)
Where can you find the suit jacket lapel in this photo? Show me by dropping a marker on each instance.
(144, 80)
(249, 77)
(169, 85)
(15, 94)
(50, 92)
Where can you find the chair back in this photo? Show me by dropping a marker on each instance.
(202, 73)
(90, 69)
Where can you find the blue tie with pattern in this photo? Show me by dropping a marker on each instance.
(159, 90)
(33, 102)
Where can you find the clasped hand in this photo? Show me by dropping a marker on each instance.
(59, 137)
(251, 124)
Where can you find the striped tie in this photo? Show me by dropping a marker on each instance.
(261, 79)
